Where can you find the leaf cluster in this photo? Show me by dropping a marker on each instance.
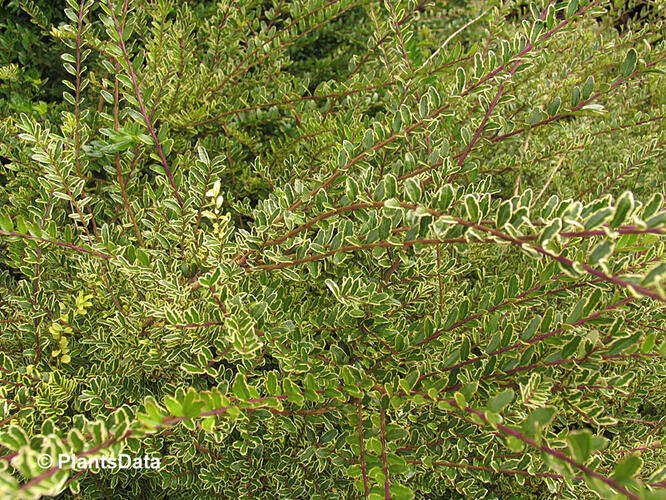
(334, 249)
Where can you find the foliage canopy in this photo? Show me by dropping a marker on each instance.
(334, 249)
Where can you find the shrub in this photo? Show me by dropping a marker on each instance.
(339, 249)
(30, 71)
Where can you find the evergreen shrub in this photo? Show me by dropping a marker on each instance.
(336, 249)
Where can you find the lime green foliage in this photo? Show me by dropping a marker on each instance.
(336, 249)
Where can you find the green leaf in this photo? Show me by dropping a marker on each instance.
(624, 343)
(514, 444)
(446, 196)
(592, 301)
(652, 205)
(570, 347)
(628, 468)
(142, 257)
(351, 189)
(575, 97)
(380, 192)
(588, 87)
(399, 492)
(393, 204)
(554, 106)
(258, 309)
(550, 231)
(240, 388)
(577, 312)
(580, 444)
(192, 407)
(391, 186)
(599, 443)
(537, 420)
(601, 253)
(203, 155)
(531, 328)
(598, 218)
(293, 392)
(658, 220)
(174, 406)
(655, 275)
(501, 400)
(535, 116)
(503, 214)
(535, 31)
(409, 382)
(451, 318)
(354, 470)
(272, 383)
(424, 107)
(6, 223)
(343, 157)
(623, 208)
(435, 99)
(395, 433)
(368, 139)
(333, 287)
(13, 437)
(171, 317)
(374, 445)
(328, 436)
(76, 440)
(629, 63)
(413, 190)
(452, 358)
(465, 348)
(572, 7)
(494, 343)
(648, 343)
(472, 208)
(21, 225)
(460, 80)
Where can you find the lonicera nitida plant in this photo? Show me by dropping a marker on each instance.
(340, 249)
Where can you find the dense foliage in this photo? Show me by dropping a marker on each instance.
(334, 249)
